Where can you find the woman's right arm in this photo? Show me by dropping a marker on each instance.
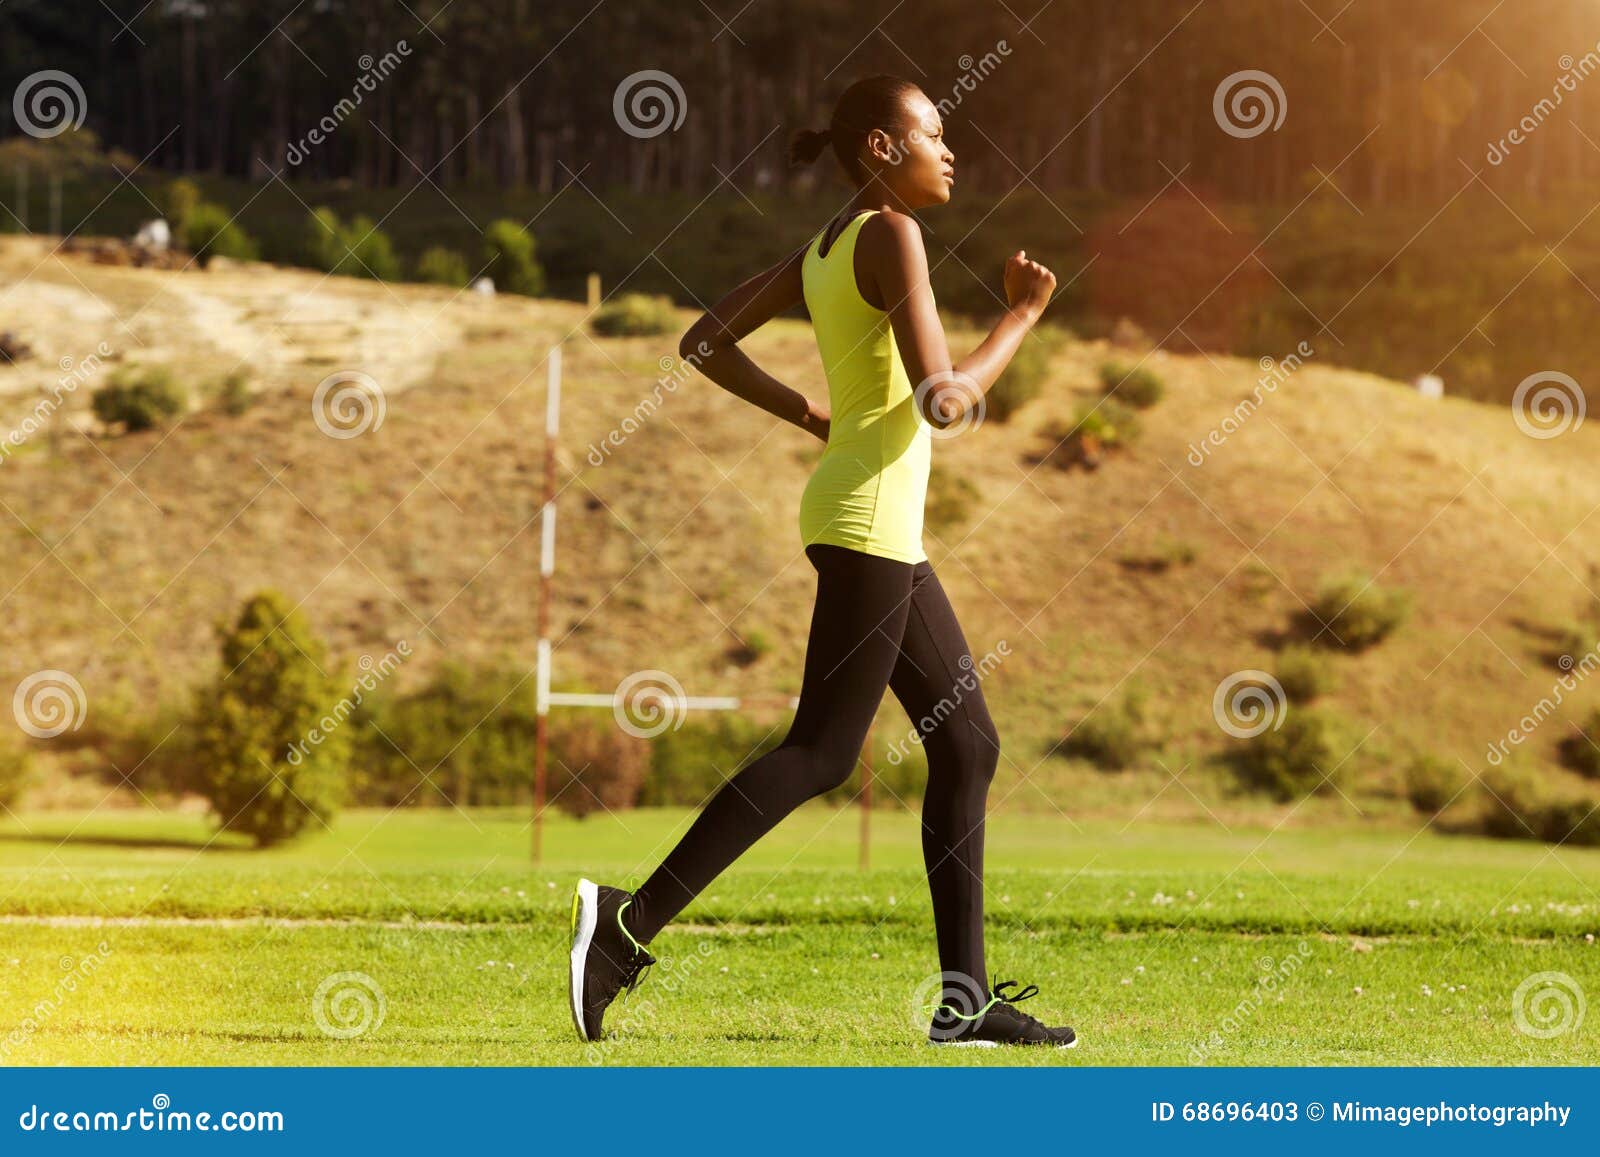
(712, 345)
(899, 263)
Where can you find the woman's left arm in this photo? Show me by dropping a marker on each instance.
(712, 345)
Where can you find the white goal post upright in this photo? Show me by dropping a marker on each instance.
(546, 699)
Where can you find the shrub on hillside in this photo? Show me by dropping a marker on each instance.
(468, 737)
(951, 496)
(1355, 612)
(1294, 759)
(1096, 427)
(635, 315)
(594, 765)
(179, 201)
(512, 258)
(233, 393)
(209, 231)
(1166, 552)
(441, 266)
(1137, 386)
(267, 759)
(359, 249)
(1305, 674)
(140, 399)
(1432, 783)
(1581, 752)
(1021, 381)
(1114, 734)
(1574, 641)
(690, 762)
(16, 772)
(1515, 803)
(1571, 820)
(1511, 800)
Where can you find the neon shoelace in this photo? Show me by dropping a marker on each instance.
(1000, 996)
(640, 968)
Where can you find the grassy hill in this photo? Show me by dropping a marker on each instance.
(681, 545)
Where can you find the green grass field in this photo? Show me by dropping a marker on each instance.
(129, 939)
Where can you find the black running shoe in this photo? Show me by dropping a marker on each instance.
(606, 959)
(998, 1023)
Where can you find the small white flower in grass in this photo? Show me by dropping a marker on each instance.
(1588, 937)
(504, 891)
(1188, 893)
(1238, 895)
(1358, 990)
(724, 968)
(1413, 903)
(891, 901)
(1138, 968)
(551, 884)
(875, 956)
(1194, 960)
(1006, 899)
(520, 892)
(1327, 972)
(1127, 980)
(1426, 991)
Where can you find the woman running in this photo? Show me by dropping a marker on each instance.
(881, 618)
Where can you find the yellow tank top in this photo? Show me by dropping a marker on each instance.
(868, 490)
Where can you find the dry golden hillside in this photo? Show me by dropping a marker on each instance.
(121, 552)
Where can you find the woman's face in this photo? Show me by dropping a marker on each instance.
(918, 166)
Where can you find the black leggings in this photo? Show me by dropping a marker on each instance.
(877, 622)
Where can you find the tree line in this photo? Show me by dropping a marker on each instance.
(1394, 101)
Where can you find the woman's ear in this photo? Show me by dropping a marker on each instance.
(882, 146)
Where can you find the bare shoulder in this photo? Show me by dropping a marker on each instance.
(894, 250)
(892, 233)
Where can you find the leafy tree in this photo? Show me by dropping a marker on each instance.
(271, 748)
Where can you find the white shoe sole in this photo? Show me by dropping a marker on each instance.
(585, 909)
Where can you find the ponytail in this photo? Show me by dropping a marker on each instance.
(874, 102)
(807, 145)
